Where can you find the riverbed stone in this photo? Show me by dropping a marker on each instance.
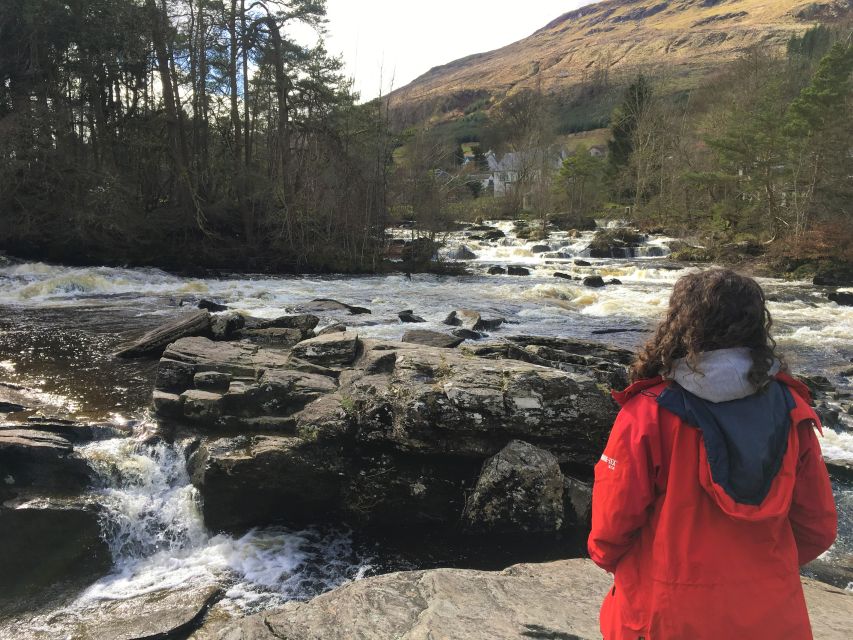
(467, 334)
(335, 327)
(462, 253)
(167, 405)
(305, 322)
(197, 404)
(273, 336)
(262, 480)
(409, 316)
(593, 281)
(32, 459)
(155, 341)
(211, 305)
(496, 271)
(329, 349)
(432, 338)
(154, 615)
(446, 402)
(48, 547)
(212, 380)
(225, 326)
(517, 271)
(520, 490)
(328, 304)
(841, 298)
(472, 320)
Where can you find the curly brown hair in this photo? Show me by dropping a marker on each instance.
(708, 310)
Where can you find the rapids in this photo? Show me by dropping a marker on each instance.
(58, 326)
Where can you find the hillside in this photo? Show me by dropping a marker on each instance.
(611, 40)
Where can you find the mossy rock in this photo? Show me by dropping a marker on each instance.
(568, 221)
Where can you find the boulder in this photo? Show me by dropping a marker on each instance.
(517, 271)
(241, 479)
(305, 322)
(432, 338)
(327, 304)
(493, 234)
(438, 401)
(583, 263)
(210, 305)
(472, 320)
(212, 381)
(51, 547)
(41, 460)
(224, 326)
(335, 327)
(329, 349)
(496, 271)
(462, 253)
(409, 316)
(842, 298)
(467, 334)
(540, 248)
(564, 276)
(154, 342)
(520, 490)
(615, 243)
(614, 281)
(204, 406)
(593, 281)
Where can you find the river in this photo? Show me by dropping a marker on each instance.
(58, 326)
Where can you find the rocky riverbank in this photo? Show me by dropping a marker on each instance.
(289, 428)
(446, 412)
(552, 600)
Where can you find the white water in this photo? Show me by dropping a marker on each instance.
(155, 532)
(152, 521)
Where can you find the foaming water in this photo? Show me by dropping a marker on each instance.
(152, 523)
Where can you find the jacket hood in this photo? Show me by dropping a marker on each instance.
(745, 439)
(720, 376)
(746, 465)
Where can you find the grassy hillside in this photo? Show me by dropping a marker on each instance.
(606, 44)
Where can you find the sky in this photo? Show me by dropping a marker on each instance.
(388, 43)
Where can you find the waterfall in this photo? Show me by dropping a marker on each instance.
(152, 522)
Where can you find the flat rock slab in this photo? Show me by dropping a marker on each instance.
(48, 548)
(329, 349)
(32, 458)
(551, 600)
(155, 341)
(156, 615)
(432, 338)
(327, 304)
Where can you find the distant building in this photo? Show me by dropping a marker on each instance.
(508, 170)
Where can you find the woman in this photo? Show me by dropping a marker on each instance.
(712, 491)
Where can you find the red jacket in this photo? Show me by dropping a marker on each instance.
(689, 561)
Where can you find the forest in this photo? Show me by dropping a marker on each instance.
(199, 133)
(184, 133)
